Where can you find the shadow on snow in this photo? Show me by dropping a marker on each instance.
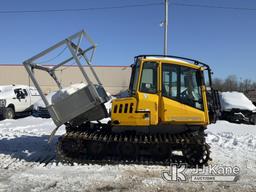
(29, 148)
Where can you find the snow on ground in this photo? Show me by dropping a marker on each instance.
(23, 148)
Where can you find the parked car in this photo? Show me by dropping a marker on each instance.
(237, 108)
(16, 100)
(39, 108)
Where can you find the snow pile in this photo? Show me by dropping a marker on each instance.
(65, 92)
(234, 145)
(235, 100)
(233, 136)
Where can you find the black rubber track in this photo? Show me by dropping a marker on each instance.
(98, 147)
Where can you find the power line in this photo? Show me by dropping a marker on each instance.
(124, 7)
(213, 6)
(55, 57)
(79, 9)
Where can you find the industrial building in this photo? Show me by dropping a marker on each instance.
(115, 79)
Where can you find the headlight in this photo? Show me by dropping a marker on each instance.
(2, 102)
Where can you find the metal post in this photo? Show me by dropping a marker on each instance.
(78, 62)
(166, 28)
(40, 91)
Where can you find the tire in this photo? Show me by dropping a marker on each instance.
(253, 119)
(9, 113)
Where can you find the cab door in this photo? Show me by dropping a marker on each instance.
(148, 91)
(181, 101)
(171, 109)
(191, 95)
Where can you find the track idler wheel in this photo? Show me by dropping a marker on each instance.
(197, 154)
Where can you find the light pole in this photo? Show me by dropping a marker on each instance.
(166, 28)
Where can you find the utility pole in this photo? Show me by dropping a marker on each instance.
(166, 28)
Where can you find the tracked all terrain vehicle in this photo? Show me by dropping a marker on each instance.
(161, 121)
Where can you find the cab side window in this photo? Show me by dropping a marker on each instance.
(170, 81)
(190, 87)
(149, 77)
(20, 93)
(182, 84)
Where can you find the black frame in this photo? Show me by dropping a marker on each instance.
(196, 62)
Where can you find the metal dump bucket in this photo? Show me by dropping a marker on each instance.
(86, 104)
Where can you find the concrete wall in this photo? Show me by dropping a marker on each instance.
(113, 78)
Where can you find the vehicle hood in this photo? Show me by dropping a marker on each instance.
(7, 95)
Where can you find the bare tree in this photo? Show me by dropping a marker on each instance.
(246, 85)
(218, 84)
(231, 83)
(254, 85)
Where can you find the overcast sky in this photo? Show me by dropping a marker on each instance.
(223, 38)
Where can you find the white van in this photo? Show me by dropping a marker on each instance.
(17, 99)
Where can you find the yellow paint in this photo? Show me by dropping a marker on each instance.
(207, 120)
(149, 102)
(152, 109)
(129, 117)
